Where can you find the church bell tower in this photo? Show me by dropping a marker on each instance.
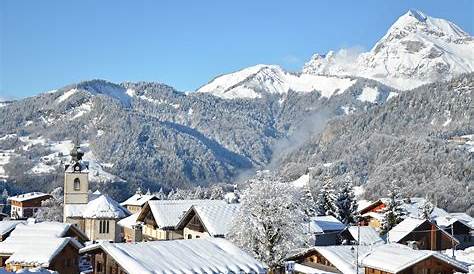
(76, 179)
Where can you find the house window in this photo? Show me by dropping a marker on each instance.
(104, 226)
(99, 267)
(77, 184)
(190, 236)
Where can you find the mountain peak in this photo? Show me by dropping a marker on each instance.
(418, 15)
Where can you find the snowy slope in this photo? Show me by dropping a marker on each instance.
(256, 81)
(417, 49)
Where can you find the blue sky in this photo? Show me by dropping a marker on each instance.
(48, 44)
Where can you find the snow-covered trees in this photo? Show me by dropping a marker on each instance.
(345, 203)
(325, 199)
(52, 208)
(425, 209)
(394, 212)
(269, 223)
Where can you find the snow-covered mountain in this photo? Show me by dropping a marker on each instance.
(256, 81)
(416, 50)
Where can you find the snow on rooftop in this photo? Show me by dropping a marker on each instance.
(404, 228)
(43, 229)
(27, 196)
(105, 207)
(321, 224)
(217, 218)
(7, 226)
(301, 268)
(168, 213)
(395, 257)
(129, 221)
(35, 270)
(368, 235)
(210, 255)
(74, 210)
(37, 251)
(138, 199)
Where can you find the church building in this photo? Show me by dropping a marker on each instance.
(96, 216)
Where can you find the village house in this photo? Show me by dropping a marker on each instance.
(208, 220)
(327, 259)
(136, 202)
(458, 228)
(160, 218)
(372, 213)
(95, 214)
(199, 256)
(362, 235)
(421, 234)
(25, 206)
(399, 259)
(324, 230)
(51, 245)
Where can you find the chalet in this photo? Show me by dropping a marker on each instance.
(160, 218)
(328, 259)
(372, 213)
(132, 229)
(208, 220)
(324, 230)
(459, 228)
(422, 234)
(368, 235)
(136, 202)
(25, 206)
(51, 245)
(199, 256)
(399, 259)
(6, 227)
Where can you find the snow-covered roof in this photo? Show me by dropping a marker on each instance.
(412, 206)
(7, 226)
(43, 229)
(35, 270)
(74, 210)
(210, 255)
(405, 227)
(129, 221)
(105, 207)
(343, 257)
(33, 251)
(138, 199)
(321, 224)
(301, 268)
(368, 235)
(394, 258)
(28, 196)
(216, 218)
(464, 217)
(375, 215)
(168, 213)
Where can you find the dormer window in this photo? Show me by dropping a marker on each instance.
(77, 184)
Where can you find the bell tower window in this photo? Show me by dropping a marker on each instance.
(77, 184)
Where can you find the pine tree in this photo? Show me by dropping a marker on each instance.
(394, 212)
(325, 200)
(345, 203)
(426, 208)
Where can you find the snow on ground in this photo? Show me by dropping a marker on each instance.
(32, 142)
(348, 109)
(358, 191)
(469, 144)
(448, 121)
(391, 95)
(66, 95)
(81, 110)
(5, 156)
(301, 181)
(369, 94)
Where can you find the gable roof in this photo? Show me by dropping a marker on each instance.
(216, 218)
(46, 230)
(29, 196)
(168, 213)
(368, 235)
(210, 255)
(35, 251)
(407, 226)
(464, 217)
(394, 258)
(343, 257)
(105, 207)
(129, 221)
(412, 207)
(321, 224)
(138, 199)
